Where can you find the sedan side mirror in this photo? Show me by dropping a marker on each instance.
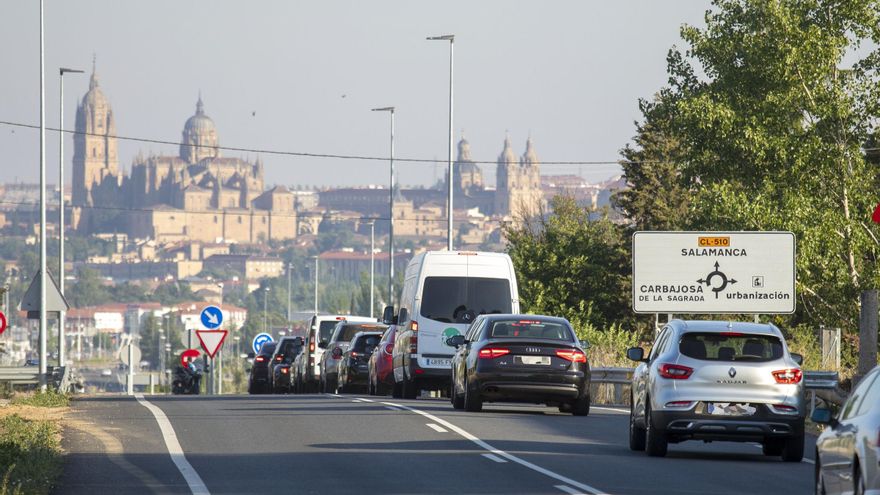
(322, 344)
(823, 416)
(456, 341)
(585, 344)
(797, 358)
(635, 354)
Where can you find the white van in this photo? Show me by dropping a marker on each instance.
(443, 292)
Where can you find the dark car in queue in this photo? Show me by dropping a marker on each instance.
(354, 367)
(334, 349)
(381, 367)
(848, 451)
(282, 360)
(258, 380)
(520, 358)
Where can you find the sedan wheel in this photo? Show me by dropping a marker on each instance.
(472, 400)
(581, 406)
(456, 399)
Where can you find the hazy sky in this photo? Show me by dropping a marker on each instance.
(302, 77)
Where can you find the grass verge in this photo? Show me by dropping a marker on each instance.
(30, 455)
(49, 398)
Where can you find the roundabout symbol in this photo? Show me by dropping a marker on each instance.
(719, 274)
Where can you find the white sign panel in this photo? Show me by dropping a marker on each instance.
(714, 272)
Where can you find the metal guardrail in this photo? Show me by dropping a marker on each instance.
(56, 377)
(620, 377)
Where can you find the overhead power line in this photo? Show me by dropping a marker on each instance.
(310, 155)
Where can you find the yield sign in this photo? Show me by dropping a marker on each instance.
(211, 340)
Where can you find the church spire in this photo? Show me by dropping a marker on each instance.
(200, 107)
(93, 82)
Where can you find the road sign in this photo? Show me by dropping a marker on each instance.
(55, 302)
(2, 322)
(212, 317)
(713, 272)
(259, 340)
(136, 356)
(189, 355)
(211, 340)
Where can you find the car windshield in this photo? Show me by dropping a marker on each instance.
(350, 329)
(325, 330)
(730, 346)
(289, 349)
(268, 348)
(460, 299)
(530, 329)
(360, 345)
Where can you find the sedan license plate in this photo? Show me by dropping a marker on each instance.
(545, 360)
(439, 362)
(729, 409)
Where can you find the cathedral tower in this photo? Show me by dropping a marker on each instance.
(94, 145)
(199, 137)
(518, 189)
(505, 179)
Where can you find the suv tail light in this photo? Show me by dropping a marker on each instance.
(260, 359)
(278, 358)
(675, 371)
(572, 355)
(389, 348)
(493, 352)
(789, 376)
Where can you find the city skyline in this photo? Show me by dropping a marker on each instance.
(578, 104)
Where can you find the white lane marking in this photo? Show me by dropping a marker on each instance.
(334, 396)
(808, 461)
(615, 409)
(366, 400)
(192, 478)
(568, 489)
(436, 428)
(501, 453)
(493, 457)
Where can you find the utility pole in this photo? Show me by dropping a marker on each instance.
(289, 316)
(43, 278)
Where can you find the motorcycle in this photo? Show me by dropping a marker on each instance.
(186, 381)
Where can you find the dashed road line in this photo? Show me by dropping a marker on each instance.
(192, 478)
(436, 428)
(500, 453)
(392, 408)
(493, 457)
(615, 409)
(568, 489)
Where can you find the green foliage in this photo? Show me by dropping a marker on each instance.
(567, 262)
(30, 455)
(49, 398)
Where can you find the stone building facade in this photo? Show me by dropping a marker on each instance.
(198, 195)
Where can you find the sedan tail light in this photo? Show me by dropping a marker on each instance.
(789, 376)
(675, 371)
(389, 348)
(572, 355)
(493, 352)
(260, 359)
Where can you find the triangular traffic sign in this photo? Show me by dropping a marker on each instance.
(54, 300)
(211, 340)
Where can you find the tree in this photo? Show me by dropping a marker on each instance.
(768, 126)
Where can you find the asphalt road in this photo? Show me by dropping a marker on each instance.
(346, 444)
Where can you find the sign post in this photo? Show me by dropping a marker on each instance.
(713, 272)
(212, 341)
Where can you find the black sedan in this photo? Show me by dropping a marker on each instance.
(520, 358)
(258, 381)
(354, 367)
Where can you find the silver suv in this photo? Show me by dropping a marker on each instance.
(716, 380)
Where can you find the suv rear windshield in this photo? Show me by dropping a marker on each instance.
(449, 299)
(360, 345)
(349, 330)
(530, 329)
(289, 348)
(730, 346)
(325, 330)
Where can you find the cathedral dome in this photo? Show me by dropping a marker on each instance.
(199, 137)
(199, 123)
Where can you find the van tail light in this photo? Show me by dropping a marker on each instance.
(493, 352)
(311, 347)
(675, 371)
(414, 326)
(389, 348)
(789, 376)
(260, 359)
(414, 343)
(573, 355)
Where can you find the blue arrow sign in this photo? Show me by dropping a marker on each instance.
(259, 340)
(212, 317)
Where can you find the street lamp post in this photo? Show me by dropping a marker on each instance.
(61, 335)
(451, 39)
(372, 263)
(289, 269)
(265, 309)
(390, 110)
(43, 326)
(316, 286)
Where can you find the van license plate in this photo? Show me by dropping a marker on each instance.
(439, 362)
(545, 360)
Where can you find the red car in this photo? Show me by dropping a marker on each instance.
(381, 376)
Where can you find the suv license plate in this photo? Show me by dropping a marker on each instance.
(439, 362)
(545, 360)
(729, 409)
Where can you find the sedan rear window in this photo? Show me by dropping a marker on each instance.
(530, 329)
(730, 346)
